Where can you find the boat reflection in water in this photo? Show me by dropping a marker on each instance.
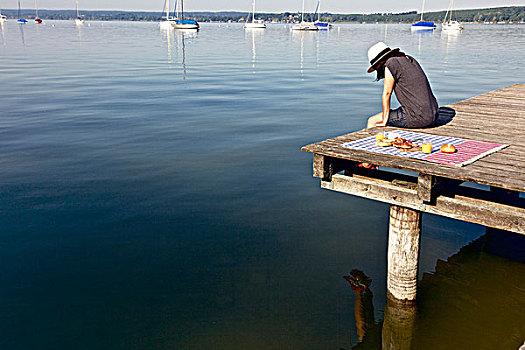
(474, 300)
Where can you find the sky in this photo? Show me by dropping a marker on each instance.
(276, 6)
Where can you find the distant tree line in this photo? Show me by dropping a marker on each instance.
(498, 14)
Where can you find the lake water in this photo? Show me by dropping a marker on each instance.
(154, 195)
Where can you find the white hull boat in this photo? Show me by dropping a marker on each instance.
(452, 26)
(305, 26)
(255, 24)
(448, 23)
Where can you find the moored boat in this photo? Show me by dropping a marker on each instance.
(184, 23)
(20, 19)
(168, 20)
(38, 20)
(423, 25)
(450, 24)
(319, 24)
(255, 24)
(80, 18)
(305, 26)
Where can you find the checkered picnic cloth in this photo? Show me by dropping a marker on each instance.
(467, 151)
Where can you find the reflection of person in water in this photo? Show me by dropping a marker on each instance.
(367, 330)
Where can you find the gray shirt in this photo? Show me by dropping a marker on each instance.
(413, 91)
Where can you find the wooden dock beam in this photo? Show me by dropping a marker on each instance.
(403, 252)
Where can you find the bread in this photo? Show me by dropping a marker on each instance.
(384, 142)
(448, 148)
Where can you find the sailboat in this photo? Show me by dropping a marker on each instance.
(3, 18)
(450, 24)
(182, 23)
(254, 23)
(422, 25)
(304, 25)
(318, 23)
(169, 20)
(20, 19)
(80, 19)
(38, 20)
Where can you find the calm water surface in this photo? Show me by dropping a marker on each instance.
(154, 195)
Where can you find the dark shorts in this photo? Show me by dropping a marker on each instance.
(397, 118)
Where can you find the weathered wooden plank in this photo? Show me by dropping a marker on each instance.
(474, 174)
(479, 211)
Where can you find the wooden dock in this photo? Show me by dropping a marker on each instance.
(497, 116)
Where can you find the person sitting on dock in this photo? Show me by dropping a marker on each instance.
(404, 75)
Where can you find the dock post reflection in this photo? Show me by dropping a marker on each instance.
(398, 324)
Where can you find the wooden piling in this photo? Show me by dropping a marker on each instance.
(403, 252)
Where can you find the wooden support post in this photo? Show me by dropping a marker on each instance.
(403, 252)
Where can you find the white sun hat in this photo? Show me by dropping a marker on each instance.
(377, 53)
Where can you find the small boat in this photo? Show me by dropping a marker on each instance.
(305, 26)
(3, 18)
(20, 20)
(168, 20)
(184, 23)
(38, 20)
(317, 22)
(422, 25)
(80, 18)
(255, 24)
(450, 24)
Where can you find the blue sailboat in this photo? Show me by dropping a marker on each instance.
(422, 25)
(182, 23)
(317, 22)
(20, 20)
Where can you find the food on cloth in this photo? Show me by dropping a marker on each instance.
(380, 137)
(384, 142)
(448, 148)
(402, 143)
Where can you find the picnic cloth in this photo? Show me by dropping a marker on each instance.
(467, 151)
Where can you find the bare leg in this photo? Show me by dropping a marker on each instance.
(373, 120)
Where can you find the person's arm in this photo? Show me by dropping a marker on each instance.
(387, 93)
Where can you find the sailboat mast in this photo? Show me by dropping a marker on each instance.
(422, 10)
(167, 10)
(253, 11)
(182, 9)
(36, 9)
(19, 9)
(302, 13)
(78, 15)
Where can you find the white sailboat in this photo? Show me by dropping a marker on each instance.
(181, 23)
(259, 24)
(3, 18)
(451, 24)
(168, 20)
(80, 19)
(306, 26)
(422, 25)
